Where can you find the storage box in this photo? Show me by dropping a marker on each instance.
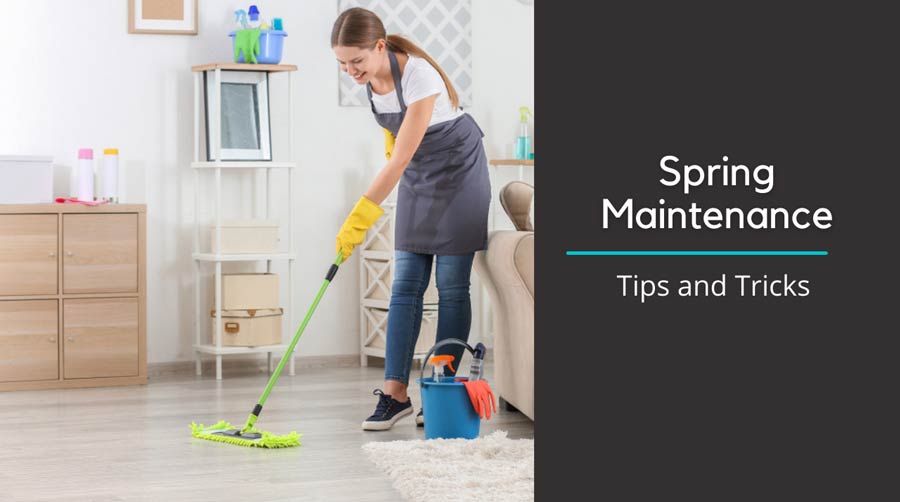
(249, 328)
(246, 236)
(26, 179)
(249, 291)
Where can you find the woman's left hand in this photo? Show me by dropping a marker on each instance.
(389, 141)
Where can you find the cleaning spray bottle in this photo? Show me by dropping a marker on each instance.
(240, 20)
(477, 366)
(523, 141)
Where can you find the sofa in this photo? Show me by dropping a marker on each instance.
(506, 269)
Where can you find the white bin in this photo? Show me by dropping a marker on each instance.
(26, 179)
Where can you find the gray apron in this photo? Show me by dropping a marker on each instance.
(445, 191)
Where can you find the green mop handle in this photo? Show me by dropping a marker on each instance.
(254, 415)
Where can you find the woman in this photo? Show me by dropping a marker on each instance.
(435, 152)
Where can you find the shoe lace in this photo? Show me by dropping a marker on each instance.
(384, 402)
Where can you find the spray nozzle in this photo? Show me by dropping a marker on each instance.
(439, 362)
(480, 350)
(524, 112)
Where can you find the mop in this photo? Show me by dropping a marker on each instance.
(248, 435)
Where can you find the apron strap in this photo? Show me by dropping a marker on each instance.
(398, 87)
(369, 93)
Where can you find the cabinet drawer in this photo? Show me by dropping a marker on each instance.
(100, 253)
(28, 341)
(100, 337)
(28, 262)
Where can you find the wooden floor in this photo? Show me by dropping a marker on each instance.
(134, 443)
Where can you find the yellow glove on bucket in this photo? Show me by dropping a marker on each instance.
(389, 140)
(353, 231)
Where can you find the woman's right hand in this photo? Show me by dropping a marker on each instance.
(353, 231)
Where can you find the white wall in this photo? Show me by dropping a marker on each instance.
(78, 79)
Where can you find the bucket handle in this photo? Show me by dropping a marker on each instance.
(448, 341)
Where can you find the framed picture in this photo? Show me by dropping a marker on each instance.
(245, 115)
(173, 17)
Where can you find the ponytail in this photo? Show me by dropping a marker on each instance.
(402, 44)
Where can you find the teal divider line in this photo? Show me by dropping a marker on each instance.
(697, 253)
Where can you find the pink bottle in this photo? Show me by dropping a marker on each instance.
(85, 175)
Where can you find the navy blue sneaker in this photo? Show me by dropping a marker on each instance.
(388, 411)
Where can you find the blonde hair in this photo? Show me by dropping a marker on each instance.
(361, 28)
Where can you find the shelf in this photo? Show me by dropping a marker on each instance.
(512, 162)
(212, 349)
(245, 67)
(244, 164)
(243, 257)
(376, 352)
(202, 167)
(385, 304)
(52, 207)
(71, 296)
(378, 255)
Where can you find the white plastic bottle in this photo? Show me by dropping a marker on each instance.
(85, 174)
(110, 176)
(439, 373)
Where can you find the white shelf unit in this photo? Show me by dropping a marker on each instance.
(217, 167)
(376, 271)
(250, 164)
(243, 257)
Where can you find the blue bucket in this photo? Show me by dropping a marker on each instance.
(447, 409)
(271, 43)
(446, 406)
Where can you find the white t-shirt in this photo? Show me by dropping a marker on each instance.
(419, 81)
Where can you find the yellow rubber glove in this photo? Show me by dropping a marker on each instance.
(353, 231)
(389, 140)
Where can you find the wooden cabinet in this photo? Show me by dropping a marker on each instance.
(28, 249)
(72, 296)
(29, 343)
(100, 337)
(100, 253)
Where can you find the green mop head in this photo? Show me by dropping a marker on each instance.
(224, 432)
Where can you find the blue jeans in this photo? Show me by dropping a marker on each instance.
(412, 272)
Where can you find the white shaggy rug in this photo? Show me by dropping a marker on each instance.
(488, 468)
